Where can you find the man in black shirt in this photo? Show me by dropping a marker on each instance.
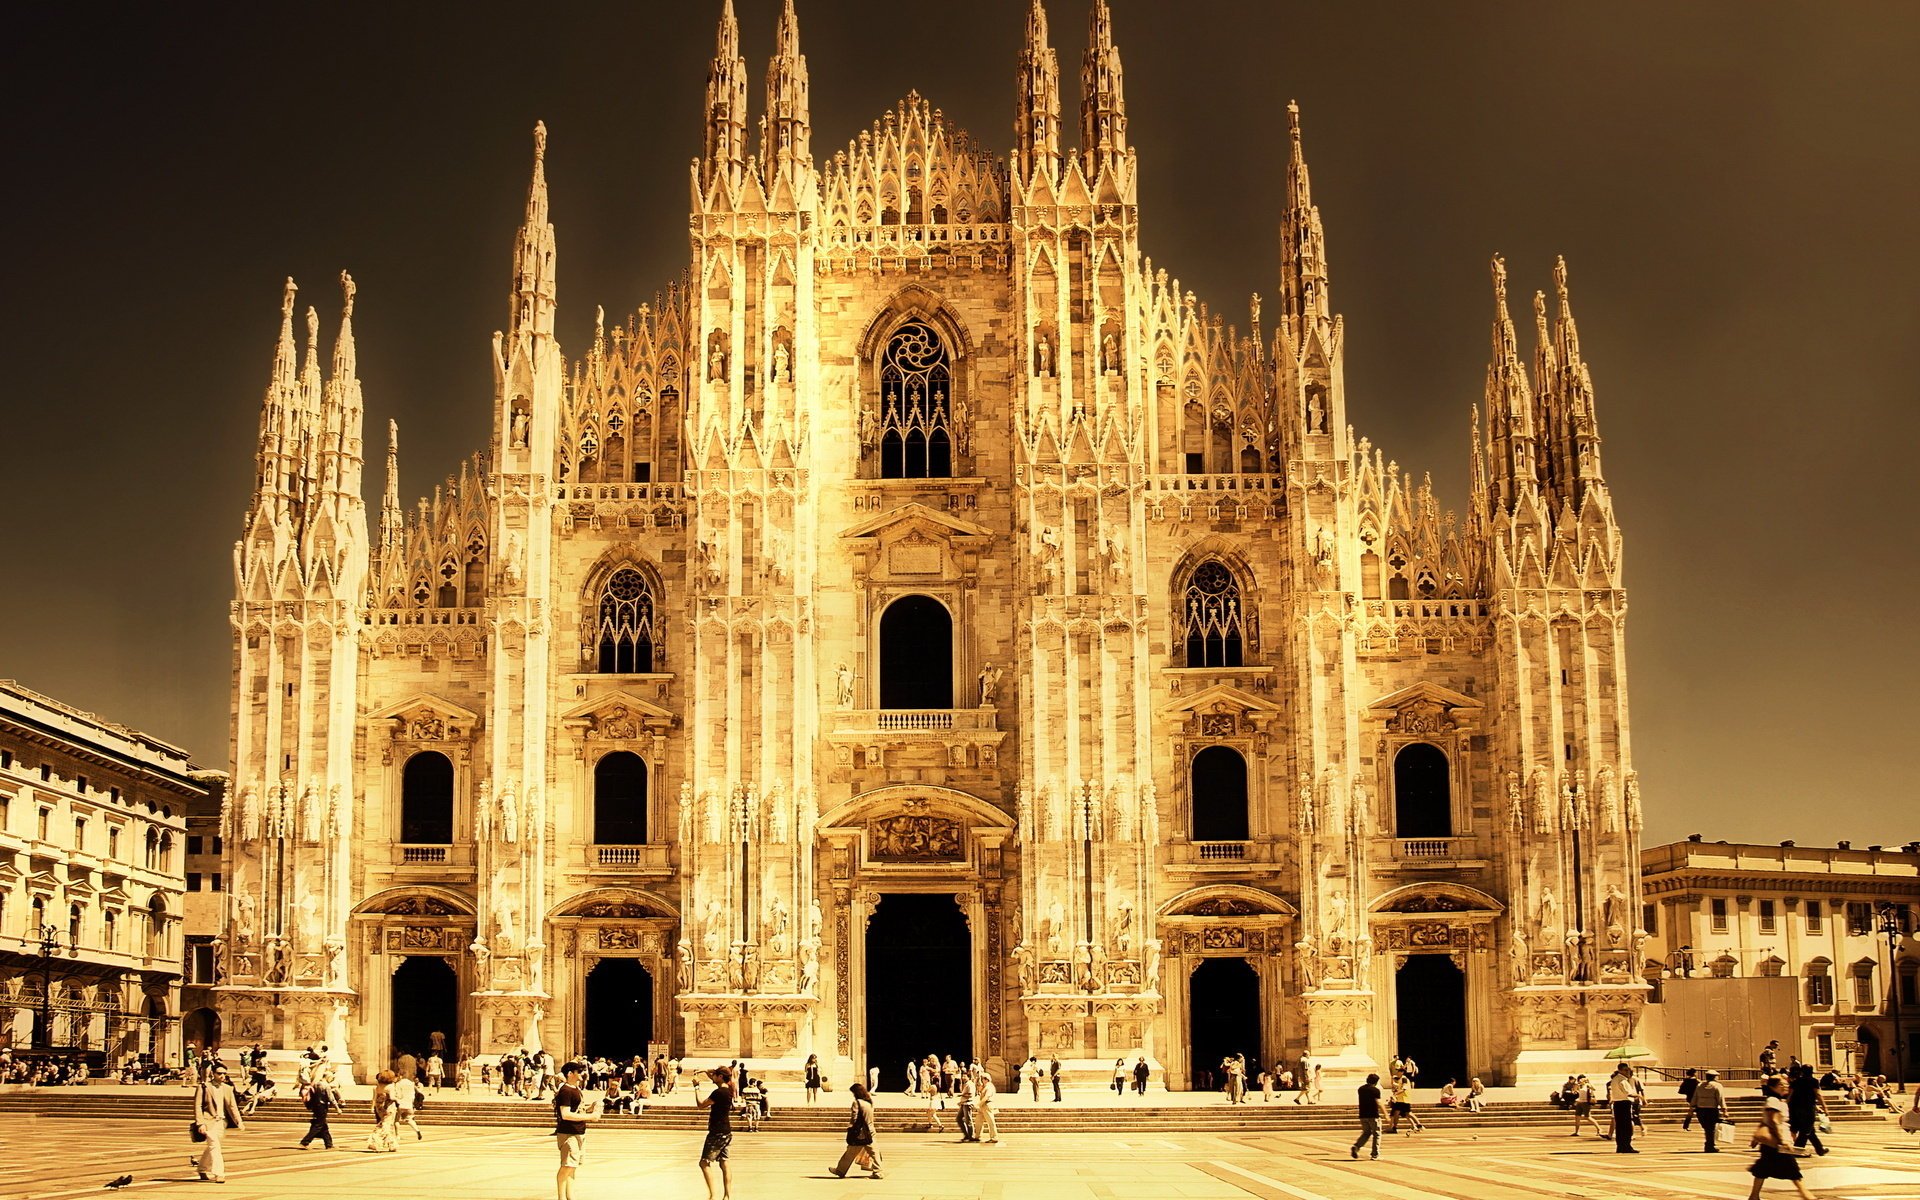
(1369, 1116)
(719, 1106)
(571, 1112)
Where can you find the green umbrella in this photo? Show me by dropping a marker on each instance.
(1629, 1051)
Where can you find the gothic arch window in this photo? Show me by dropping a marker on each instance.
(1422, 792)
(426, 800)
(1212, 617)
(620, 799)
(156, 928)
(624, 624)
(916, 654)
(1219, 790)
(916, 393)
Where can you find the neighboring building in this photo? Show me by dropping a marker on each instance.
(92, 816)
(204, 915)
(1793, 932)
(930, 628)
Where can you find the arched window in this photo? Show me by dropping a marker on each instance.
(1212, 620)
(156, 928)
(626, 624)
(916, 389)
(73, 925)
(1422, 792)
(620, 800)
(916, 654)
(1219, 795)
(426, 800)
(110, 930)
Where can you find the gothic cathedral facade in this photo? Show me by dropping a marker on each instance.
(928, 628)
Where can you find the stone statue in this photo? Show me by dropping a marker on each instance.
(1549, 913)
(219, 960)
(1336, 920)
(780, 362)
(683, 966)
(1056, 929)
(1123, 928)
(843, 685)
(813, 921)
(866, 430)
(1153, 964)
(250, 815)
(1517, 952)
(1110, 354)
(1306, 816)
(505, 933)
(1043, 355)
(313, 810)
(809, 965)
(716, 363)
(1023, 966)
(1304, 961)
(777, 928)
(517, 427)
(335, 948)
(989, 685)
(243, 911)
(714, 940)
(509, 816)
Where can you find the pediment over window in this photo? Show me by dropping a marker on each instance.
(614, 904)
(619, 716)
(43, 881)
(1425, 708)
(415, 902)
(1436, 897)
(914, 515)
(1228, 900)
(914, 541)
(427, 718)
(1222, 698)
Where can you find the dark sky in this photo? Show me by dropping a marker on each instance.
(1734, 186)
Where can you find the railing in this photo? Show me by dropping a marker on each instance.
(425, 616)
(1447, 847)
(424, 854)
(1235, 482)
(631, 857)
(915, 720)
(1222, 851)
(896, 237)
(662, 492)
(1458, 608)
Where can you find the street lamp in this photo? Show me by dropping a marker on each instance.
(1890, 925)
(49, 936)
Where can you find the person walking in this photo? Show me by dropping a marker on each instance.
(1689, 1083)
(860, 1148)
(1053, 1074)
(1710, 1109)
(1582, 1103)
(1141, 1073)
(215, 1112)
(406, 1098)
(985, 1126)
(932, 1096)
(1804, 1108)
(1120, 1074)
(319, 1102)
(814, 1080)
(1400, 1107)
(571, 1112)
(436, 1071)
(382, 1139)
(964, 1108)
(713, 1152)
(1621, 1094)
(1777, 1158)
(1369, 1116)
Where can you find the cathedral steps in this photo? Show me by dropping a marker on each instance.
(895, 1115)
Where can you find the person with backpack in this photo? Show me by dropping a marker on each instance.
(860, 1149)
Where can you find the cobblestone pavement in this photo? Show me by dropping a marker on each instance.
(50, 1158)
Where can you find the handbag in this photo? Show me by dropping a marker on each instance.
(860, 1133)
(1822, 1124)
(1723, 1132)
(195, 1132)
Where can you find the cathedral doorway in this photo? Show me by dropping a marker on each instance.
(201, 1028)
(1430, 1011)
(619, 1009)
(1223, 1018)
(919, 992)
(916, 654)
(1869, 1051)
(426, 1001)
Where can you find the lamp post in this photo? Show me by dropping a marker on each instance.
(49, 936)
(1890, 925)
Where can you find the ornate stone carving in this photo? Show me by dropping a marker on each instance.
(910, 838)
(619, 937)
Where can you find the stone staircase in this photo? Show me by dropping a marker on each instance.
(896, 1114)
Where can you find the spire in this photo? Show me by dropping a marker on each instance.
(1509, 403)
(345, 362)
(1576, 387)
(726, 144)
(279, 417)
(533, 260)
(341, 420)
(1303, 243)
(392, 519)
(1103, 110)
(1036, 123)
(786, 134)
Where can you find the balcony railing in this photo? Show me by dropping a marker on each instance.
(915, 720)
(424, 854)
(1222, 851)
(633, 858)
(1446, 847)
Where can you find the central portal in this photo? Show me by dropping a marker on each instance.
(1431, 1007)
(1224, 1010)
(426, 1009)
(619, 1009)
(919, 983)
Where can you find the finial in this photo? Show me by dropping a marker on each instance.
(1293, 119)
(599, 322)
(1500, 281)
(393, 437)
(1560, 279)
(313, 329)
(1540, 312)
(286, 299)
(347, 287)
(539, 141)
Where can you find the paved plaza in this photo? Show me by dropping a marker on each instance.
(46, 1158)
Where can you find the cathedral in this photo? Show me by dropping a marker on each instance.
(927, 628)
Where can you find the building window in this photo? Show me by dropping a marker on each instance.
(1723, 967)
(1819, 989)
(194, 843)
(1718, 907)
(46, 823)
(1770, 967)
(1823, 1049)
(1816, 916)
(426, 800)
(166, 852)
(156, 928)
(1859, 918)
(1909, 988)
(1650, 919)
(916, 654)
(620, 800)
(1769, 922)
(626, 624)
(1213, 621)
(217, 847)
(73, 925)
(110, 930)
(200, 963)
(916, 390)
(1219, 784)
(1422, 792)
(193, 881)
(80, 834)
(113, 841)
(1863, 996)
(215, 885)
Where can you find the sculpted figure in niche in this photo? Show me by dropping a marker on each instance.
(1153, 964)
(1304, 960)
(509, 816)
(1123, 928)
(1056, 929)
(1549, 913)
(813, 921)
(1042, 356)
(716, 363)
(250, 815)
(1517, 952)
(989, 685)
(243, 911)
(517, 426)
(714, 938)
(843, 685)
(683, 966)
(1110, 354)
(777, 928)
(780, 362)
(505, 932)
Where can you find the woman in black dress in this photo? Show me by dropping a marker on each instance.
(1777, 1157)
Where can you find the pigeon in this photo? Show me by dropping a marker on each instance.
(121, 1182)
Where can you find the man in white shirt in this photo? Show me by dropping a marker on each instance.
(1621, 1093)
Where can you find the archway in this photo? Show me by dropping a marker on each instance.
(1223, 1018)
(916, 654)
(620, 800)
(618, 1009)
(201, 1028)
(1422, 792)
(426, 1001)
(1430, 1007)
(919, 983)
